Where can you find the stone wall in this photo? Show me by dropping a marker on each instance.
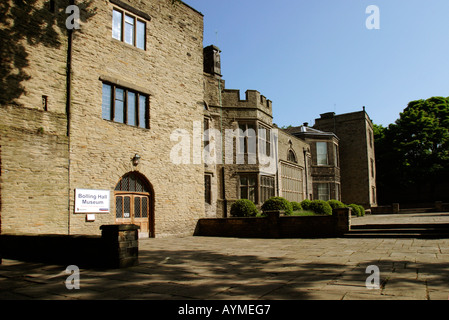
(171, 69)
(35, 58)
(118, 247)
(41, 167)
(356, 152)
(275, 226)
(34, 171)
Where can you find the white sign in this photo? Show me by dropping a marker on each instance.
(92, 201)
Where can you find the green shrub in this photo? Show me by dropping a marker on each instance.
(355, 209)
(362, 211)
(278, 203)
(296, 206)
(335, 204)
(244, 208)
(320, 207)
(305, 204)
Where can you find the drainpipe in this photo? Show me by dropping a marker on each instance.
(68, 110)
(306, 174)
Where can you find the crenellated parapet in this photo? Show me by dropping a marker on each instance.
(231, 98)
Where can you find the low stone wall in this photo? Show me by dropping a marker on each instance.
(392, 209)
(117, 247)
(277, 226)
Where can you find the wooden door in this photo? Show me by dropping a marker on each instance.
(133, 209)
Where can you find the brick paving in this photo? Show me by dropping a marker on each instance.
(255, 269)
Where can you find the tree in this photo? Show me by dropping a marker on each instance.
(413, 153)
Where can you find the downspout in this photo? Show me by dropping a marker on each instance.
(306, 173)
(68, 111)
(223, 180)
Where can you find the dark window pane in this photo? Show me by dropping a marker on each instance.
(127, 207)
(137, 212)
(119, 207)
(144, 207)
(244, 193)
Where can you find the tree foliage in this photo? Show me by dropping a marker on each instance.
(414, 150)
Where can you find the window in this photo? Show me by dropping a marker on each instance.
(321, 153)
(291, 156)
(128, 28)
(247, 139)
(124, 106)
(208, 188)
(248, 187)
(372, 169)
(323, 191)
(206, 137)
(292, 186)
(264, 141)
(336, 156)
(266, 188)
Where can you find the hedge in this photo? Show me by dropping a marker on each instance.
(278, 203)
(320, 207)
(244, 208)
(296, 206)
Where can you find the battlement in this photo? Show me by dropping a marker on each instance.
(231, 98)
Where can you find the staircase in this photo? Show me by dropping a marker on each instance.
(420, 231)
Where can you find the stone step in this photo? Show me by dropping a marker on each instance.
(427, 231)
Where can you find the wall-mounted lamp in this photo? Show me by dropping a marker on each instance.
(136, 159)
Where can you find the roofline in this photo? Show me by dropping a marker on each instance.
(191, 8)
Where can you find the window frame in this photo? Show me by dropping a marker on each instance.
(123, 24)
(292, 185)
(246, 137)
(327, 185)
(249, 186)
(137, 106)
(336, 156)
(318, 162)
(208, 188)
(267, 187)
(264, 146)
(291, 156)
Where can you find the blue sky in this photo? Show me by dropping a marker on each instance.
(315, 56)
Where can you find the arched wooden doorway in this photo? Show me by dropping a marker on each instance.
(134, 203)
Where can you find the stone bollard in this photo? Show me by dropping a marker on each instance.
(120, 245)
(342, 218)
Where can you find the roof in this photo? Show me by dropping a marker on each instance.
(304, 131)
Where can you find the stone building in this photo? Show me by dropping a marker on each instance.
(325, 162)
(357, 158)
(334, 159)
(126, 119)
(258, 160)
(88, 116)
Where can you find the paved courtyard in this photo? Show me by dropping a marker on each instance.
(256, 269)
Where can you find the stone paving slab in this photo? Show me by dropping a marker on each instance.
(251, 269)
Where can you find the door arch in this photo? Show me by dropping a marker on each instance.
(134, 203)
